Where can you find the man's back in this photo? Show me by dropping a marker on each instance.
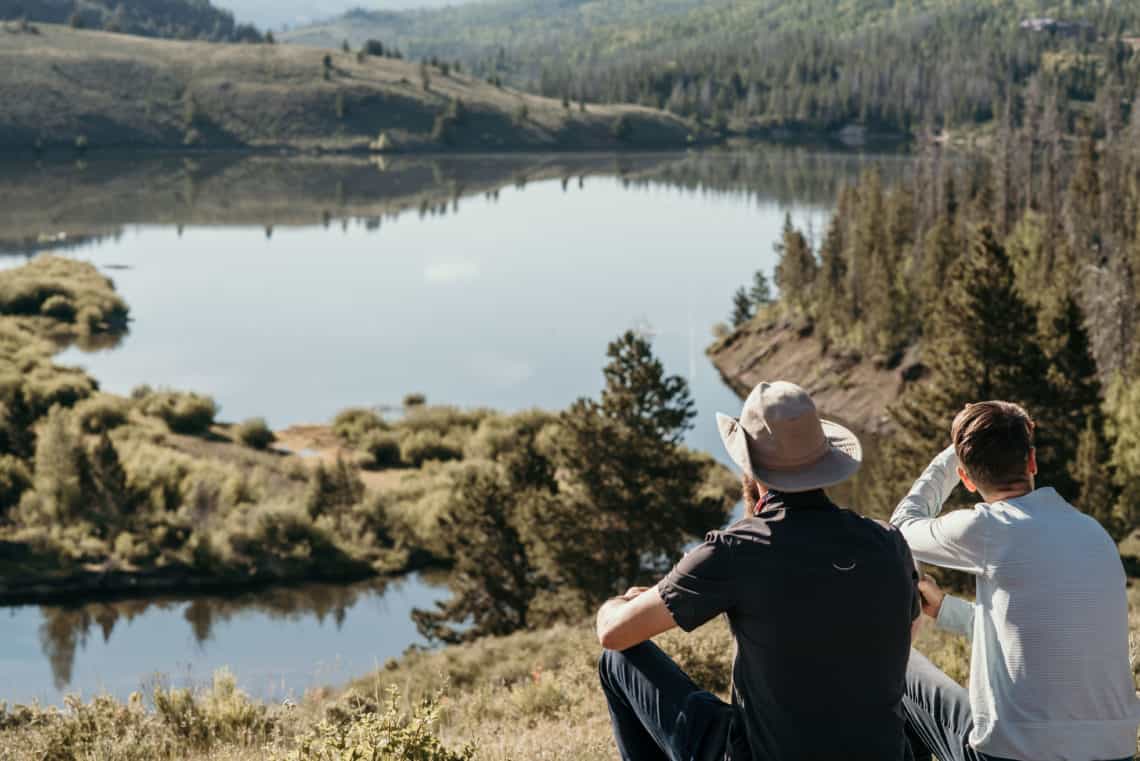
(1052, 669)
(820, 601)
(1050, 677)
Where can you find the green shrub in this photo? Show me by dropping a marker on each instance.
(15, 479)
(382, 448)
(101, 413)
(441, 420)
(421, 446)
(46, 387)
(255, 433)
(390, 736)
(351, 425)
(65, 290)
(183, 412)
(58, 307)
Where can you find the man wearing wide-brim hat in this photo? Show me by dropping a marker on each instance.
(821, 603)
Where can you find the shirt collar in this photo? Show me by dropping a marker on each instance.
(816, 499)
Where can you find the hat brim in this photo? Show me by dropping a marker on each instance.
(842, 461)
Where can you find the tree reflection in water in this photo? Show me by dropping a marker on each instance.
(65, 628)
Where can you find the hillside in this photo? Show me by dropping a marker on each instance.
(175, 19)
(83, 90)
(894, 65)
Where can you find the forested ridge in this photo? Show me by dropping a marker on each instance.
(175, 19)
(819, 64)
(1016, 276)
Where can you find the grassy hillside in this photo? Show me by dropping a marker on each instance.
(531, 695)
(176, 19)
(81, 91)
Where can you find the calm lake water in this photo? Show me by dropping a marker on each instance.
(481, 281)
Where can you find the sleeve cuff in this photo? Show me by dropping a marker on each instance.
(956, 615)
(675, 604)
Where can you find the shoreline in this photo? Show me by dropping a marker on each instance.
(776, 136)
(115, 585)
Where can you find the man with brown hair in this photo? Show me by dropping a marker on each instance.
(1050, 678)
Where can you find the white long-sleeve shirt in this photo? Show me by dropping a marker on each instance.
(1050, 678)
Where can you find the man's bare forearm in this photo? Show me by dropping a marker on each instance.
(606, 615)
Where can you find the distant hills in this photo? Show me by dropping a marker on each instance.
(78, 91)
(174, 19)
(273, 14)
(899, 66)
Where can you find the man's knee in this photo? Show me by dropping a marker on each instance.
(612, 663)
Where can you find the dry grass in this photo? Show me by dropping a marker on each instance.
(531, 695)
(111, 89)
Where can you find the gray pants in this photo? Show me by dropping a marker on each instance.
(938, 717)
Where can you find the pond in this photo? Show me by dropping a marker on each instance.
(293, 288)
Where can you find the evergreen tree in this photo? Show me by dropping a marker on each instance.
(60, 467)
(106, 483)
(941, 248)
(796, 269)
(632, 496)
(638, 395)
(1069, 416)
(492, 580)
(1123, 428)
(981, 344)
(742, 309)
(761, 293)
(332, 487)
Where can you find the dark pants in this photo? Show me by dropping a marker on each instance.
(658, 713)
(938, 717)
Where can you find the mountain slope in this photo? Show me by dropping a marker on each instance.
(175, 19)
(896, 65)
(65, 88)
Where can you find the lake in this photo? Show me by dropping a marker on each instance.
(293, 288)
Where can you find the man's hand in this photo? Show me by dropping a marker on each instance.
(633, 592)
(931, 596)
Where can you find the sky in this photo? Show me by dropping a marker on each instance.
(271, 14)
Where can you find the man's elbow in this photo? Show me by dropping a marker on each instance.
(610, 638)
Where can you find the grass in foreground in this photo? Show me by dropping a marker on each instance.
(531, 695)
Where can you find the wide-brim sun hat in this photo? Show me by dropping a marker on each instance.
(781, 441)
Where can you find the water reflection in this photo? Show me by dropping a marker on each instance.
(59, 206)
(67, 629)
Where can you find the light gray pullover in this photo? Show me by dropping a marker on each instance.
(1050, 678)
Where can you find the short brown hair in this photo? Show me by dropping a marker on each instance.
(993, 441)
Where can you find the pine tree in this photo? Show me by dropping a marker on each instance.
(742, 310)
(941, 248)
(632, 496)
(1083, 204)
(834, 310)
(492, 580)
(761, 293)
(332, 487)
(60, 467)
(796, 269)
(1070, 411)
(108, 493)
(980, 345)
(1122, 404)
